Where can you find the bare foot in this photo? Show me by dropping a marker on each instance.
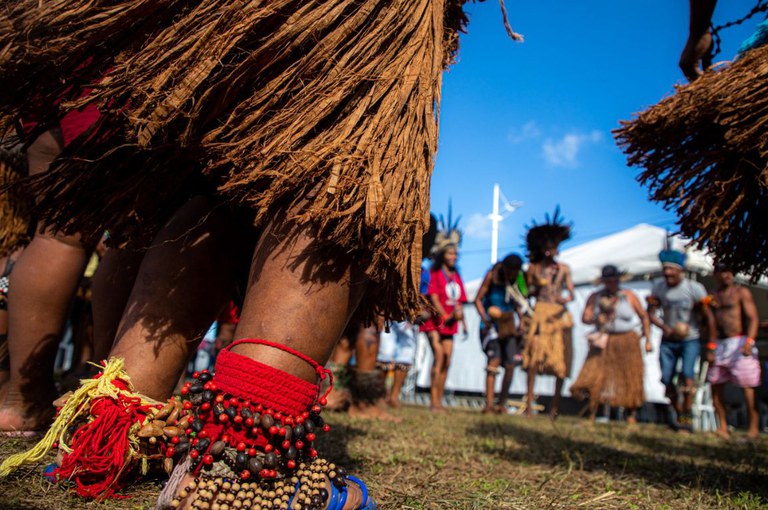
(18, 415)
(631, 420)
(723, 434)
(438, 409)
(372, 412)
(338, 400)
(553, 414)
(394, 403)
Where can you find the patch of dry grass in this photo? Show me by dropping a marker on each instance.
(464, 460)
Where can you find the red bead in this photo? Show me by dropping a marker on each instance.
(316, 409)
(207, 386)
(299, 444)
(249, 422)
(159, 406)
(264, 473)
(196, 375)
(233, 401)
(289, 421)
(311, 436)
(170, 451)
(254, 431)
(291, 464)
(208, 459)
(238, 419)
(219, 398)
(55, 444)
(185, 390)
(323, 401)
(240, 447)
(312, 453)
(286, 445)
(245, 474)
(225, 438)
(213, 386)
(279, 416)
(188, 431)
(259, 408)
(203, 434)
(273, 430)
(175, 440)
(195, 441)
(273, 473)
(223, 418)
(205, 406)
(305, 415)
(205, 371)
(326, 428)
(252, 452)
(194, 454)
(187, 405)
(282, 431)
(268, 448)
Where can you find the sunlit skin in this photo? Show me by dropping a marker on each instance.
(442, 348)
(735, 314)
(613, 287)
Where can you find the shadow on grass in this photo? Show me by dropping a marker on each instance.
(664, 463)
(333, 445)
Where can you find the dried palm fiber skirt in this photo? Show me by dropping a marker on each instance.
(613, 375)
(704, 154)
(14, 203)
(548, 347)
(324, 111)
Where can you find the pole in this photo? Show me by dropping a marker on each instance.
(495, 220)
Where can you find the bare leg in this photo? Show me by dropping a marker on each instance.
(366, 404)
(184, 281)
(443, 375)
(753, 416)
(717, 401)
(42, 284)
(299, 297)
(632, 416)
(5, 372)
(398, 380)
(556, 399)
(529, 396)
(438, 358)
(506, 383)
(338, 399)
(491, 371)
(112, 285)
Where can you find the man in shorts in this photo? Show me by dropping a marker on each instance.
(733, 358)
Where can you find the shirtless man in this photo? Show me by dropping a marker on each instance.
(733, 358)
(548, 344)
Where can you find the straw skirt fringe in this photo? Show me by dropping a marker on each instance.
(613, 375)
(324, 113)
(548, 347)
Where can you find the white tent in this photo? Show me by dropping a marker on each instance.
(634, 250)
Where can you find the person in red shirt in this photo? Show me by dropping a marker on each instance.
(446, 294)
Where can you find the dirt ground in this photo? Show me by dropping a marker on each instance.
(463, 460)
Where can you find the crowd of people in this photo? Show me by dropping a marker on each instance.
(279, 156)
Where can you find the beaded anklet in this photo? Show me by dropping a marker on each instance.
(252, 435)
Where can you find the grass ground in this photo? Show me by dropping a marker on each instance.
(463, 460)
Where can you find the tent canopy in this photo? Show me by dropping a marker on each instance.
(635, 250)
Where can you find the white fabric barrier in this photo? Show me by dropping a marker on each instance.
(467, 371)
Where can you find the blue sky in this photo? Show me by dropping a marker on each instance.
(537, 117)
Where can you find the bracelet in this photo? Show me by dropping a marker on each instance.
(750, 341)
(711, 346)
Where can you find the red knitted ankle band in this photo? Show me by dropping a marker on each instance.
(246, 378)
